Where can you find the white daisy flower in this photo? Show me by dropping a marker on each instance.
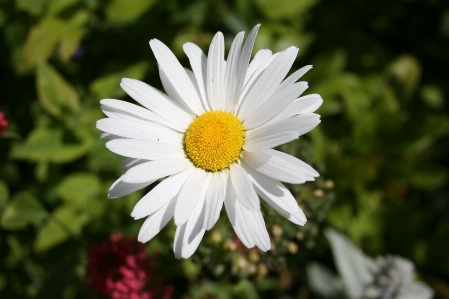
(211, 138)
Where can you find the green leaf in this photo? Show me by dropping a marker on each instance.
(57, 6)
(41, 171)
(432, 95)
(24, 209)
(407, 70)
(45, 144)
(4, 194)
(40, 42)
(15, 251)
(43, 38)
(55, 93)
(278, 9)
(428, 177)
(72, 36)
(246, 289)
(108, 86)
(63, 223)
(78, 188)
(191, 269)
(127, 10)
(33, 7)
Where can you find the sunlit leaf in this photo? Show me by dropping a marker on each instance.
(22, 210)
(277, 9)
(126, 10)
(73, 35)
(44, 144)
(63, 223)
(78, 188)
(33, 7)
(4, 194)
(108, 86)
(428, 177)
(432, 95)
(57, 6)
(15, 251)
(406, 69)
(41, 171)
(244, 288)
(40, 42)
(55, 93)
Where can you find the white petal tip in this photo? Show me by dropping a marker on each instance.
(179, 221)
(153, 41)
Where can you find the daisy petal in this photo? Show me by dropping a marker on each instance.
(268, 82)
(139, 130)
(190, 233)
(232, 209)
(157, 102)
(274, 168)
(197, 87)
(156, 222)
(260, 143)
(301, 124)
(260, 57)
(177, 76)
(183, 249)
(259, 229)
(294, 77)
(161, 195)
(171, 91)
(144, 149)
(215, 67)
(243, 188)
(231, 73)
(130, 162)
(127, 110)
(154, 170)
(212, 197)
(278, 102)
(215, 198)
(243, 227)
(249, 81)
(280, 166)
(306, 104)
(194, 188)
(276, 195)
(107, 136)
(241, 69)
(305, 168)
(198, 62)
(120, 188)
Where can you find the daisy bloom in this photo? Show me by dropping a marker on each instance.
(211, 137)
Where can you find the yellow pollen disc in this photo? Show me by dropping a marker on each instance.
(214, 140)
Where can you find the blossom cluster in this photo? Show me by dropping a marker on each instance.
(3, 123)
(120, 269)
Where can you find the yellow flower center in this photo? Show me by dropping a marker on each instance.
(214, 140)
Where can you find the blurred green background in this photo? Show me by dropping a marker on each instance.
(382, 147)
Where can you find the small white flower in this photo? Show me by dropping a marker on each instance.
(212, 136)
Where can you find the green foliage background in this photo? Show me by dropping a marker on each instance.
(380, 66)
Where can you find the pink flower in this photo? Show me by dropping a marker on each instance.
(120, 269)
(3, 123)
